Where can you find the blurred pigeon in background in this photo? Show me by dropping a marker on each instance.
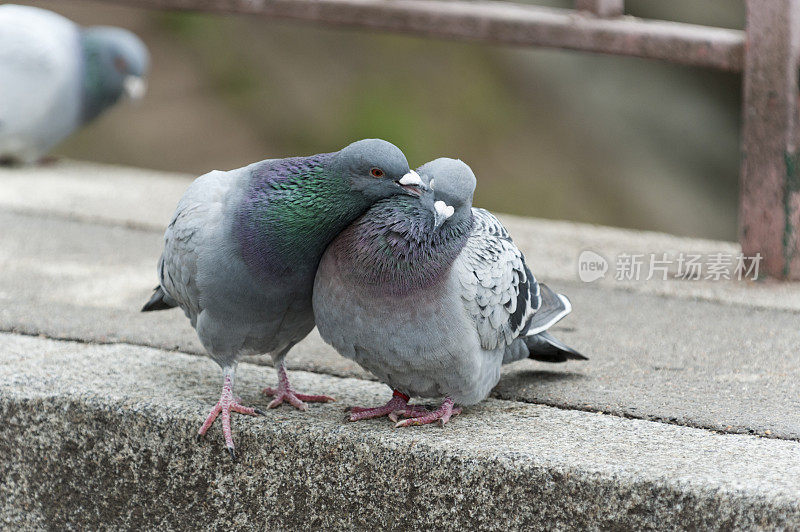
(243, 246)
(432, 297)
(56, 76)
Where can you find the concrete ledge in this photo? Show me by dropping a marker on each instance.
(81, 241)
(102, 436)
(145, 199)
(94, 192)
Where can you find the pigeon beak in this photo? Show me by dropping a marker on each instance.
(134, 87)
(441, 212)
(413, 183)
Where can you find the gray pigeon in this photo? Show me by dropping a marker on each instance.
(56, 76)
(433, 297)
(243, 246)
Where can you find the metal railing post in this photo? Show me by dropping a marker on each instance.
(769, 201)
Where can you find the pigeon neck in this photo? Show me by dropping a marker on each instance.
(101, 88)
(394, 248)
(292, 210)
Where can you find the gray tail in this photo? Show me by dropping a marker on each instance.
(546, 348)
(158, 301)
(553, 307)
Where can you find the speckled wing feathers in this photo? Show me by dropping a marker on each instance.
(499, 291)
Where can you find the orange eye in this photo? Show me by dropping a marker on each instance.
(376, 172)
(121, 65)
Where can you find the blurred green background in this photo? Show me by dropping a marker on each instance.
(553, 134)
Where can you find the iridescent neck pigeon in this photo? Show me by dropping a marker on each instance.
(432, 296)
(56, 76)
(243, 246)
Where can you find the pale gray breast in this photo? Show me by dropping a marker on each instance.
(424, 343)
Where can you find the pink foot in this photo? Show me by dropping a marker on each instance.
(441, 414)
(225, 406)
(408, 412)
(398, 405)
(284, 392)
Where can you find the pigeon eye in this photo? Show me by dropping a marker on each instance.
(376, 172)
(120, 64)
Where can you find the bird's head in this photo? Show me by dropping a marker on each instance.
(452, 185)
(378, 169)
(119, 60)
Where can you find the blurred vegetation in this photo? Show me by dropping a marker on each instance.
(549, 133)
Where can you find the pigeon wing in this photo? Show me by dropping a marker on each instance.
(201, 207)
(499, 291)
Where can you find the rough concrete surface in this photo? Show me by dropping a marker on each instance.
(102, 436)
(147, 198)
(91, 191)
(699, 363)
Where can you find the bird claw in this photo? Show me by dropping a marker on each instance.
(297, 400)
(233, 454)
(396, 406)
(441, 414)
(284, 392)
(409, 412)
(223, 409)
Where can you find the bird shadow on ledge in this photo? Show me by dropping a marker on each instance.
(532, 377)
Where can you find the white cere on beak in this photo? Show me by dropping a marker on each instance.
(135, 87)
(443, 209)
(431, 184)
(411, 178)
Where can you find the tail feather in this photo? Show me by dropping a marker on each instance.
(546, 348)
(552, 309)
(158, 301)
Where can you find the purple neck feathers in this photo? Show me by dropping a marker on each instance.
(291, 211)
(394, 248)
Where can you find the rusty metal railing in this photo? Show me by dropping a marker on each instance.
(766, 53)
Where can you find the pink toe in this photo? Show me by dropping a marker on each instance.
(369, 413)
(358, 413)
(314, 398)
(296, 402)
(442, 414)
(236, 407)
(409, 412)
(210, 419)
(226, 428)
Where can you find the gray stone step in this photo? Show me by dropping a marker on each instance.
(146, 199)
(100, 436)
(698, 363)
(98, 432)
